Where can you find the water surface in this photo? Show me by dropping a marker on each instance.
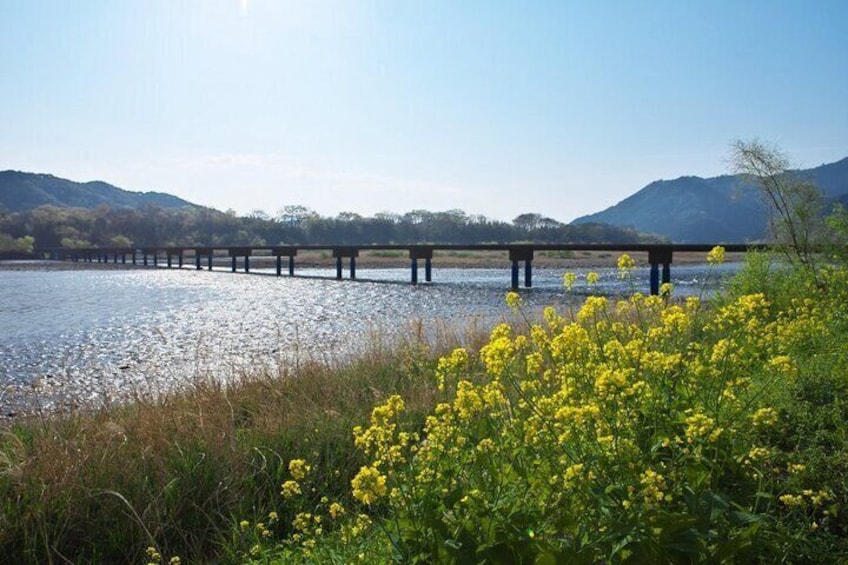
(76, 336)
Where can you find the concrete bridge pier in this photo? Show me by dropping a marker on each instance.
(345, 252)
(236, 252)
(279, 252)
(416, 253)
(517, 254)
(656, 257)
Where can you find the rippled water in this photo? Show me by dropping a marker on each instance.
(90, 335)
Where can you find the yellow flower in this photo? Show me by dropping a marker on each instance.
(764, 417)
(513, 300)
(290, 489)
(626, 264)
(298, 468)
(792, 500)
(336, 510)
(666, 289)
(368, 485)
(568, 280)
(716, 255)
(592, 278)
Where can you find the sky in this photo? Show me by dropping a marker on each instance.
(495, 107)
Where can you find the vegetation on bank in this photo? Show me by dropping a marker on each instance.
(642, 430)
(175, 472)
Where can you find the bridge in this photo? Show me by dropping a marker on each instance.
(659, 256)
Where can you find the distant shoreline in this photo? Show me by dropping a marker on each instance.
(371, 260)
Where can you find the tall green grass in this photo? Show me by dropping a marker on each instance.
(174, 472)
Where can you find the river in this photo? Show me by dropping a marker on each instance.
(81, 336)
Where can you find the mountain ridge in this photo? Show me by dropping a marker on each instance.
(21, 191)
(693, 209)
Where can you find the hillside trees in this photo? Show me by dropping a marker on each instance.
(795, 205)
(149, 226)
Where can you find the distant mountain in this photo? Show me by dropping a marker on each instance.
(24, 191)
(714, 210)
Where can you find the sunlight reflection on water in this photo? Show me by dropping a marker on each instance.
(90, 335)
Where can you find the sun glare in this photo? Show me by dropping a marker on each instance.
(244, 5)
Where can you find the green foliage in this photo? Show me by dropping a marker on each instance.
(795, 205)
(644, 431)
(149, 226)
(25, 244)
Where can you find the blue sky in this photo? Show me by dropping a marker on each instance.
(497, 107)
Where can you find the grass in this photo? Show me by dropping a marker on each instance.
(174, 472)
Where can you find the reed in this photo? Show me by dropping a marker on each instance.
(174, 471)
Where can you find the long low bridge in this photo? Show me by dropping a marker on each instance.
(659, 256)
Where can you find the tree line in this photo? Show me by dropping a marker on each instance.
(150, 226)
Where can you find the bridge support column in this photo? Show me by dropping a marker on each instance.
(279, 265)
(169, 260)
(209, 261)
(421, 252)
(659, 256)
(247, 263)
(197, 261)
(525, 254)
(133, 257)
(234, 263)
(155, 258)
(339, 253)
(514, 285)
(180, 260)
(145, 258)
(291, 265)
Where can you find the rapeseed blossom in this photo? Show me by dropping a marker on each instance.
(298, 469)
(628, 415)
(513, 300)
(368, 485)
(716, 255)
(625, 264)
(568, 280)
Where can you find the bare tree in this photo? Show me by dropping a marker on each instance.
(794, 204)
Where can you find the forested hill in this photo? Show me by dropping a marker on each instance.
(710, 210)
(148, 226)
(24, 191)
(46, 211)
